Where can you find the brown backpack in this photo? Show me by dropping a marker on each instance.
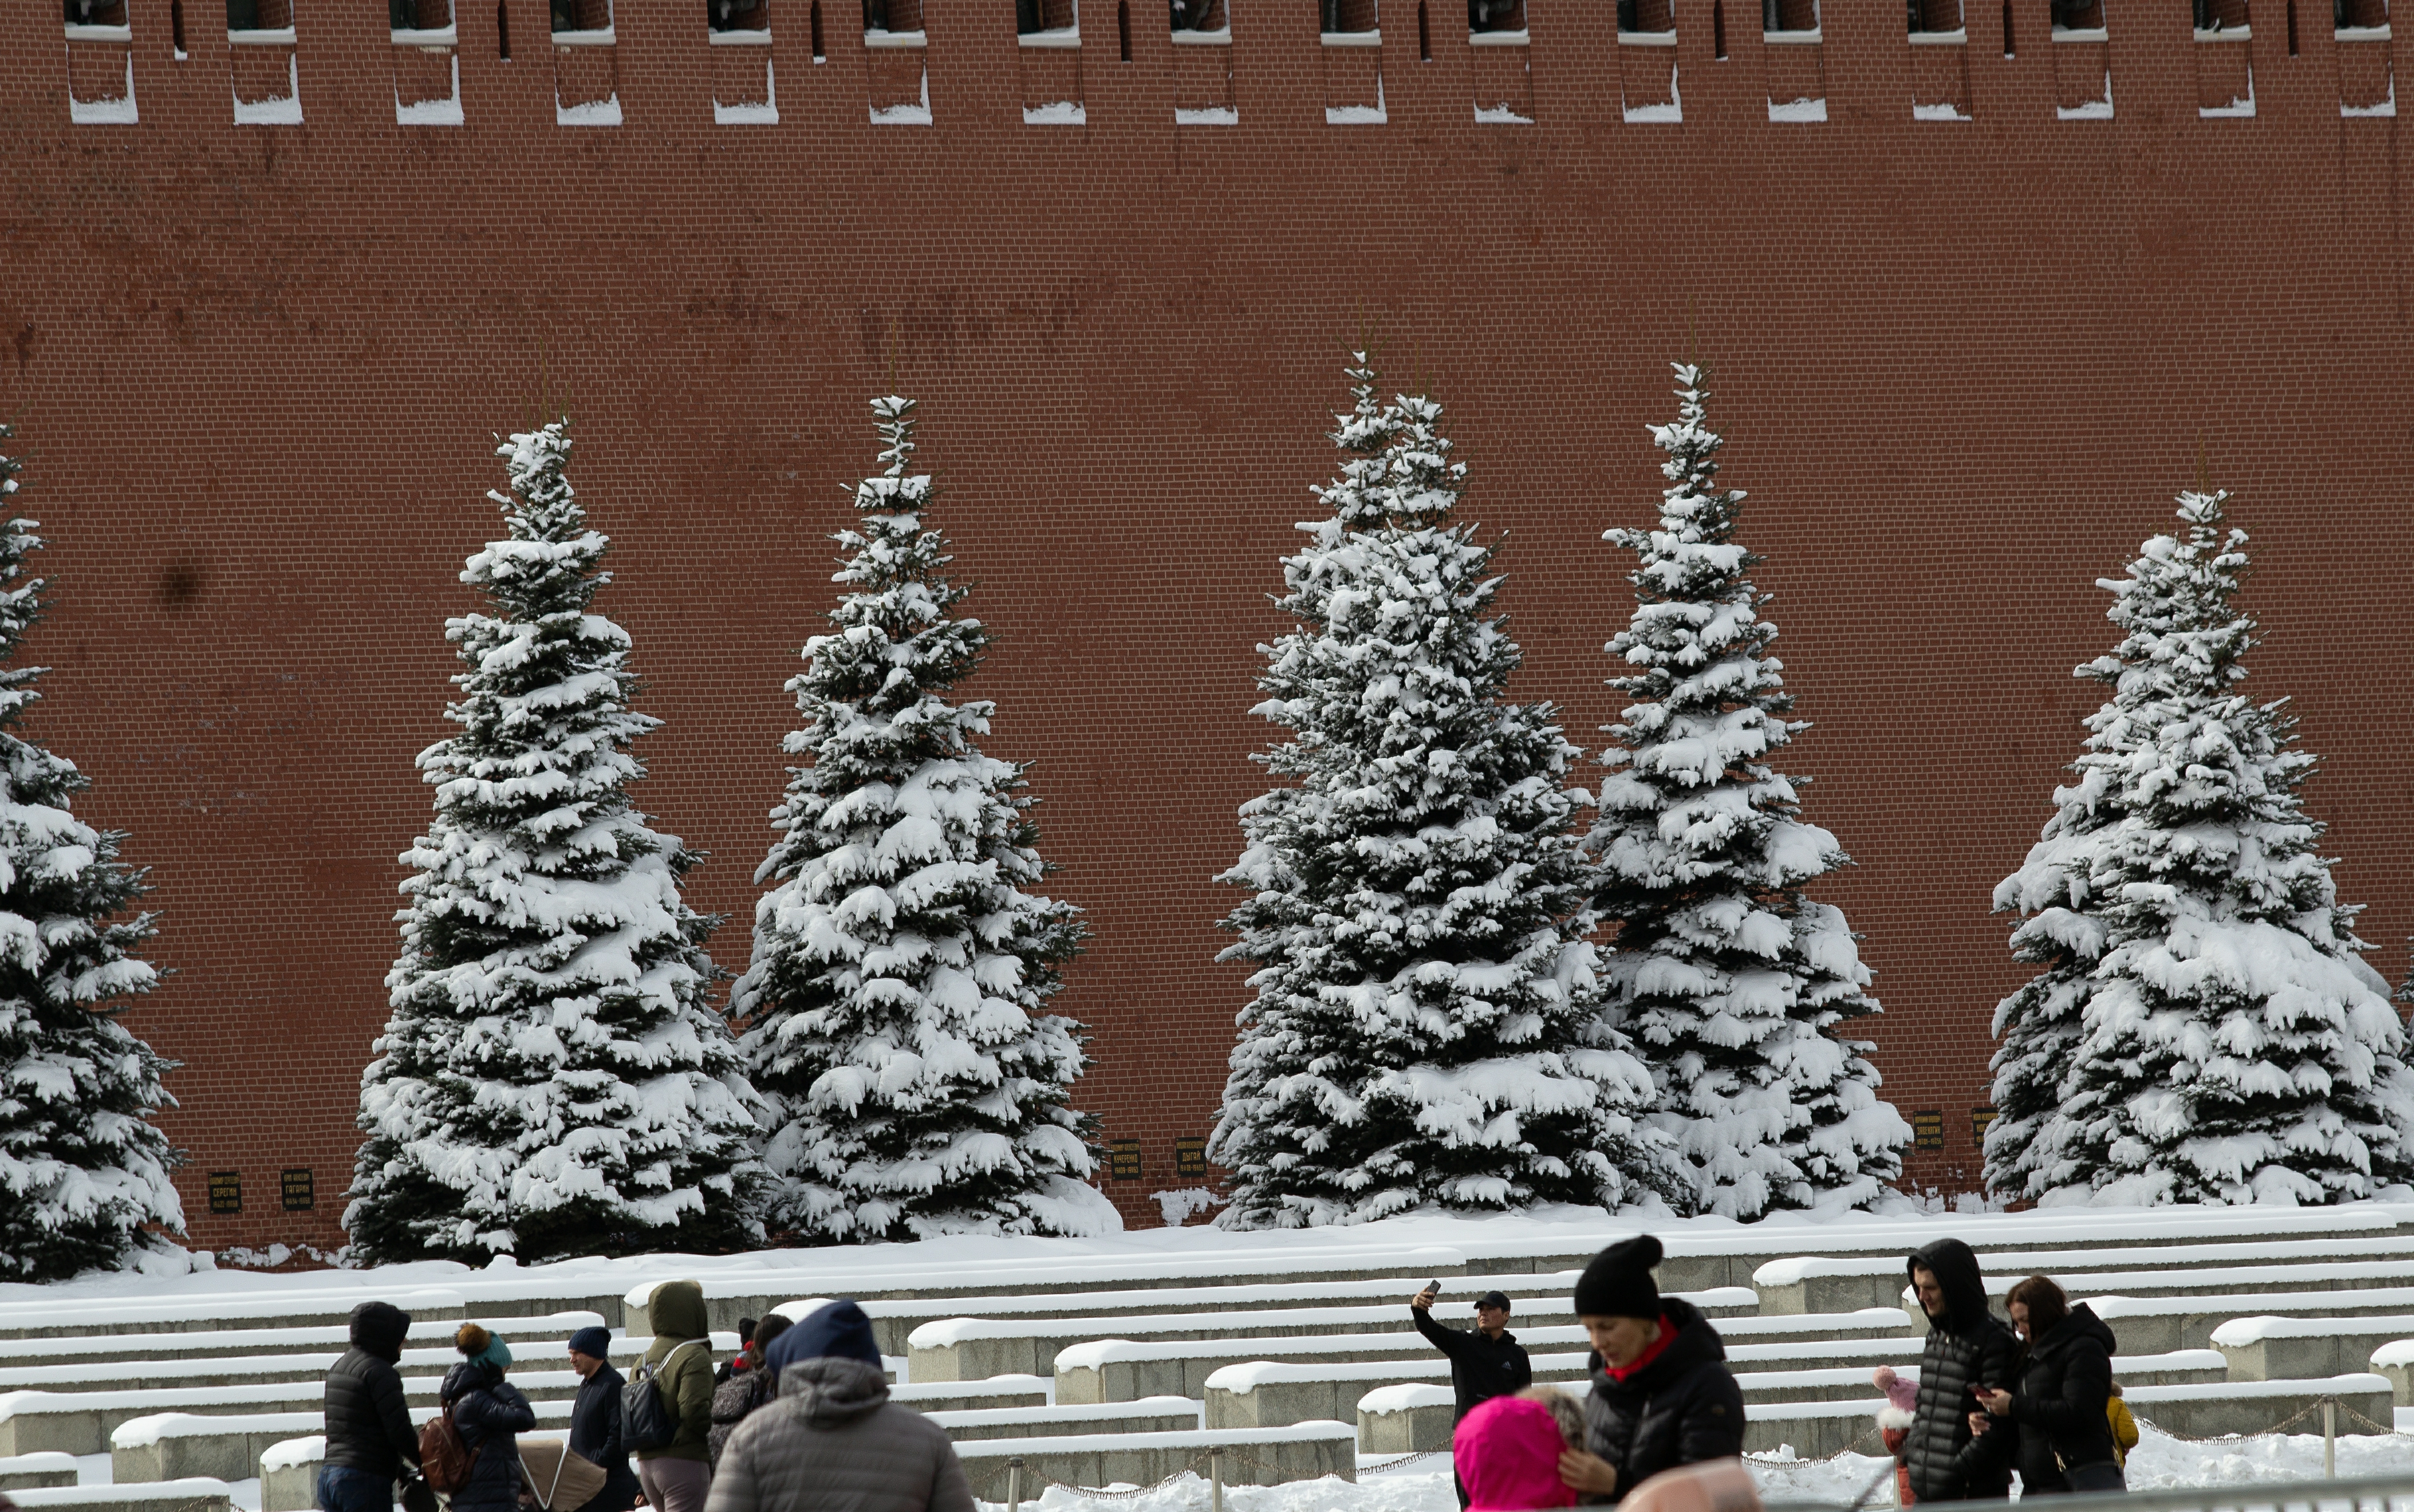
(443, 1458)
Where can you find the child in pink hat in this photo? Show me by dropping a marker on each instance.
(1507, 1454)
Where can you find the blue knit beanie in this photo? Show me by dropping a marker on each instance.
(837, 1329)
(595, 1343)
(482, 1346)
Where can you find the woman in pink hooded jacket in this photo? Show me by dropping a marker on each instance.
(1507, 1454)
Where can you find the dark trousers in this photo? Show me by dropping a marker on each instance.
(2095, 1479)
(343, 1489)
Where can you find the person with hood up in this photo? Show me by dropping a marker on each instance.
(1506, 1452)
(676, 1475)
(1661, 1395)
(832, 1441)
(369, 1436)
(1968, 1348)
(2063, 1390)
(595, 1433)
(490, 1414)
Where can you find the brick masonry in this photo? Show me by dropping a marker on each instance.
(1965, 365)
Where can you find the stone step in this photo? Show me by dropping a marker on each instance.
(2158, 1324)
(1116, 1369)
(975, 1348)
(1250, 1456)
(2265, 1348)
(1151, 1414)
(430, 1339)
(200, 1495)
(27, 1472)
(1819, 1285)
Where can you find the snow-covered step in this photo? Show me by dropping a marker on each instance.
(975, 1348)
(974, 1396)
(895, 1321)
(201, 1494)
(2186, 1367)
(1253, 1457)
(2151, 1323)
(430, 1338)
(1410, 1417)
(163, 1445)
(1119, 1369)
(1821, 1284)
(25, 1471)
(2257, 1406)
(2266, 1348)
(1150, 1414)
(2394, 1363)
(82, 1422)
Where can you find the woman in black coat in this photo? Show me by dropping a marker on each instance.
(490, 1414)
(1661, 1395)
(2066, 1381)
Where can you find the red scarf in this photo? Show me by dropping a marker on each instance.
(1621, 1374)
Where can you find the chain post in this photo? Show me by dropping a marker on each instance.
(1215, 1480)
(1014, 1486)
(2329, 1438)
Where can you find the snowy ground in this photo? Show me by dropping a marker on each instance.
(1422, 1485)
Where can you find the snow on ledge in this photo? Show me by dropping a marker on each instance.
(593, 113)
(1799, 109)
(194, 1488)
(2328, 1386)
(1056, 113)
(119, 110)
(2240, 1332)
(291, 1453)
(1207, 115)
(1383, 1402)
(2398, 1352)
(1322, 1430)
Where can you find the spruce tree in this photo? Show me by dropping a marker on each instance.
(1425, 1029)
(895, 1009)
(83, 1173)
(552, 1081)
(1730, 981)
(2230, 1044)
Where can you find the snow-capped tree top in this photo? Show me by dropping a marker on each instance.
(2205, 776)
(546, 566)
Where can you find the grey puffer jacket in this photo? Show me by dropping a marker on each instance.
(833, 1442)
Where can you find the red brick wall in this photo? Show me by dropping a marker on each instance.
(1963, 365)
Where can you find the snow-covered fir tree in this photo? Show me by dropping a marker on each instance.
(2205, 1028)
(552, 1081)
(1425, 1029)
(895, 1009)
(1730, 980)
(83, 1173)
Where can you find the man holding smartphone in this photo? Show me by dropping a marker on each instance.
(1485, 1364)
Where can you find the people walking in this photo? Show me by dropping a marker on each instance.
(834, 1441)
(1662, 1394)
(676, 1475)
(745, 1388)
(1968, 1347)
(490, 1414)
(595, 1433)
(1484, 1363)
(369, 1436)
(2063, 1397)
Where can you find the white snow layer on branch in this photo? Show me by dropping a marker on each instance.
(1730, 981)
(896, 1003)
(2205, 1028)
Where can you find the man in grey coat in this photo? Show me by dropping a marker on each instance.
(832, 1441)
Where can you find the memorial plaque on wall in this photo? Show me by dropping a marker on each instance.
(1979, 1119)
(1190, 1156)
(1124, 1159)
(298, 1195)
(225, 1192)
(1927, 1128)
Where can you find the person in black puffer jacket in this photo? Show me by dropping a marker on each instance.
(369, 1436)
(1662, 1396)
(490, 1414)
(2066, 1381)
(1968, 1348)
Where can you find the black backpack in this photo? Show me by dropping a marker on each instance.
(648, 1422)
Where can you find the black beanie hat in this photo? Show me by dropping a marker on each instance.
(1618, 1284)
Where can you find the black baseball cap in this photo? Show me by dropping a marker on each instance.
(1499, 1299)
